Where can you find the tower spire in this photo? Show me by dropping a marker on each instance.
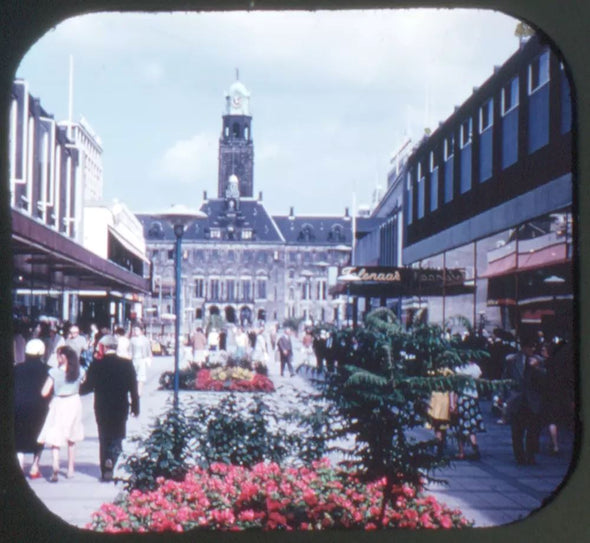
(237, 74)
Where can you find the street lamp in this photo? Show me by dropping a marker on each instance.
(179, 217)
(348, 279)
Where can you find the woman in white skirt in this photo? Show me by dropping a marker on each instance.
(63, 424)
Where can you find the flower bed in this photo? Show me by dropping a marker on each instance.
(234, 379)
(269, 497)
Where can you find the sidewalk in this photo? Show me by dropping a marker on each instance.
(491, 491)
(495, 490)
(74, 500)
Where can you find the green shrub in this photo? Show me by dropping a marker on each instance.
(239, 430)
(164, 453)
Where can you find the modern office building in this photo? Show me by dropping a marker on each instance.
(53, 268)
(490, 192)
(89, 145)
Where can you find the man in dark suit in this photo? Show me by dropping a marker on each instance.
(525, 403)
(114, 383)
(286, 351)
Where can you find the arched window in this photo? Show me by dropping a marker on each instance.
(336, 233)
(236, 130)
(306, 233)
(156, 230)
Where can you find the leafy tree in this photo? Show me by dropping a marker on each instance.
(385, 376)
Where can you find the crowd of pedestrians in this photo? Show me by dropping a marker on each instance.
(538, 393)
(54, 365)
(240, 342)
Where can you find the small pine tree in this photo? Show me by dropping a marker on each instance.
(385, 377)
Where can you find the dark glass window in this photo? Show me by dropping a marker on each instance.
(449, 155)
(421, 192)
(510, 96)
(410, 199)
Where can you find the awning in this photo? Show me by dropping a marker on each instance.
(501, 266)
(135, 251)
(531, 286)
(547, 256)
(43, 258)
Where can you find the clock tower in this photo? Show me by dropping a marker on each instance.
(236, 150)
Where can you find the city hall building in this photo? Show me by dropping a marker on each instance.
(240, 262)
(490, 192)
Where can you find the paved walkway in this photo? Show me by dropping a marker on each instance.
(492, 491)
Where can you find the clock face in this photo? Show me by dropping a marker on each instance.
(236, 101)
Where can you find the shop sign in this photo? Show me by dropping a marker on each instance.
(406, 276)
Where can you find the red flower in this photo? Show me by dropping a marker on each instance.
(446, 522)
(270, 497)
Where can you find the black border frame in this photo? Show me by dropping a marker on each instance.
(22, 22)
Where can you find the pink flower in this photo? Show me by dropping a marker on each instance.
(446, 522)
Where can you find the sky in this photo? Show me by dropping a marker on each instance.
(333, 95)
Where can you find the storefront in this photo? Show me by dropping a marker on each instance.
(56, 277)
(406, 291)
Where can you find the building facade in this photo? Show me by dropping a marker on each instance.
(490, 191)
(55, 265)
(240, 262)
(44, 165)
(90, 146)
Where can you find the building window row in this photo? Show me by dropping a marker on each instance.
(44, 164)
(468, 152)
(231, 290)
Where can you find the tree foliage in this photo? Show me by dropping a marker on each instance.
(382, 387)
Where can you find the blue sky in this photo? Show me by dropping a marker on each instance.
(333, 95)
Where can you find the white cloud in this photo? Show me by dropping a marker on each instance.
(268, 151)
(333, 93)
(189, 160)
(151, 71)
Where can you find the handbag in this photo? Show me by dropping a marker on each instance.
(439, 408)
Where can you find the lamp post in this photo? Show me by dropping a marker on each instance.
(348, 279)
(179, 217)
